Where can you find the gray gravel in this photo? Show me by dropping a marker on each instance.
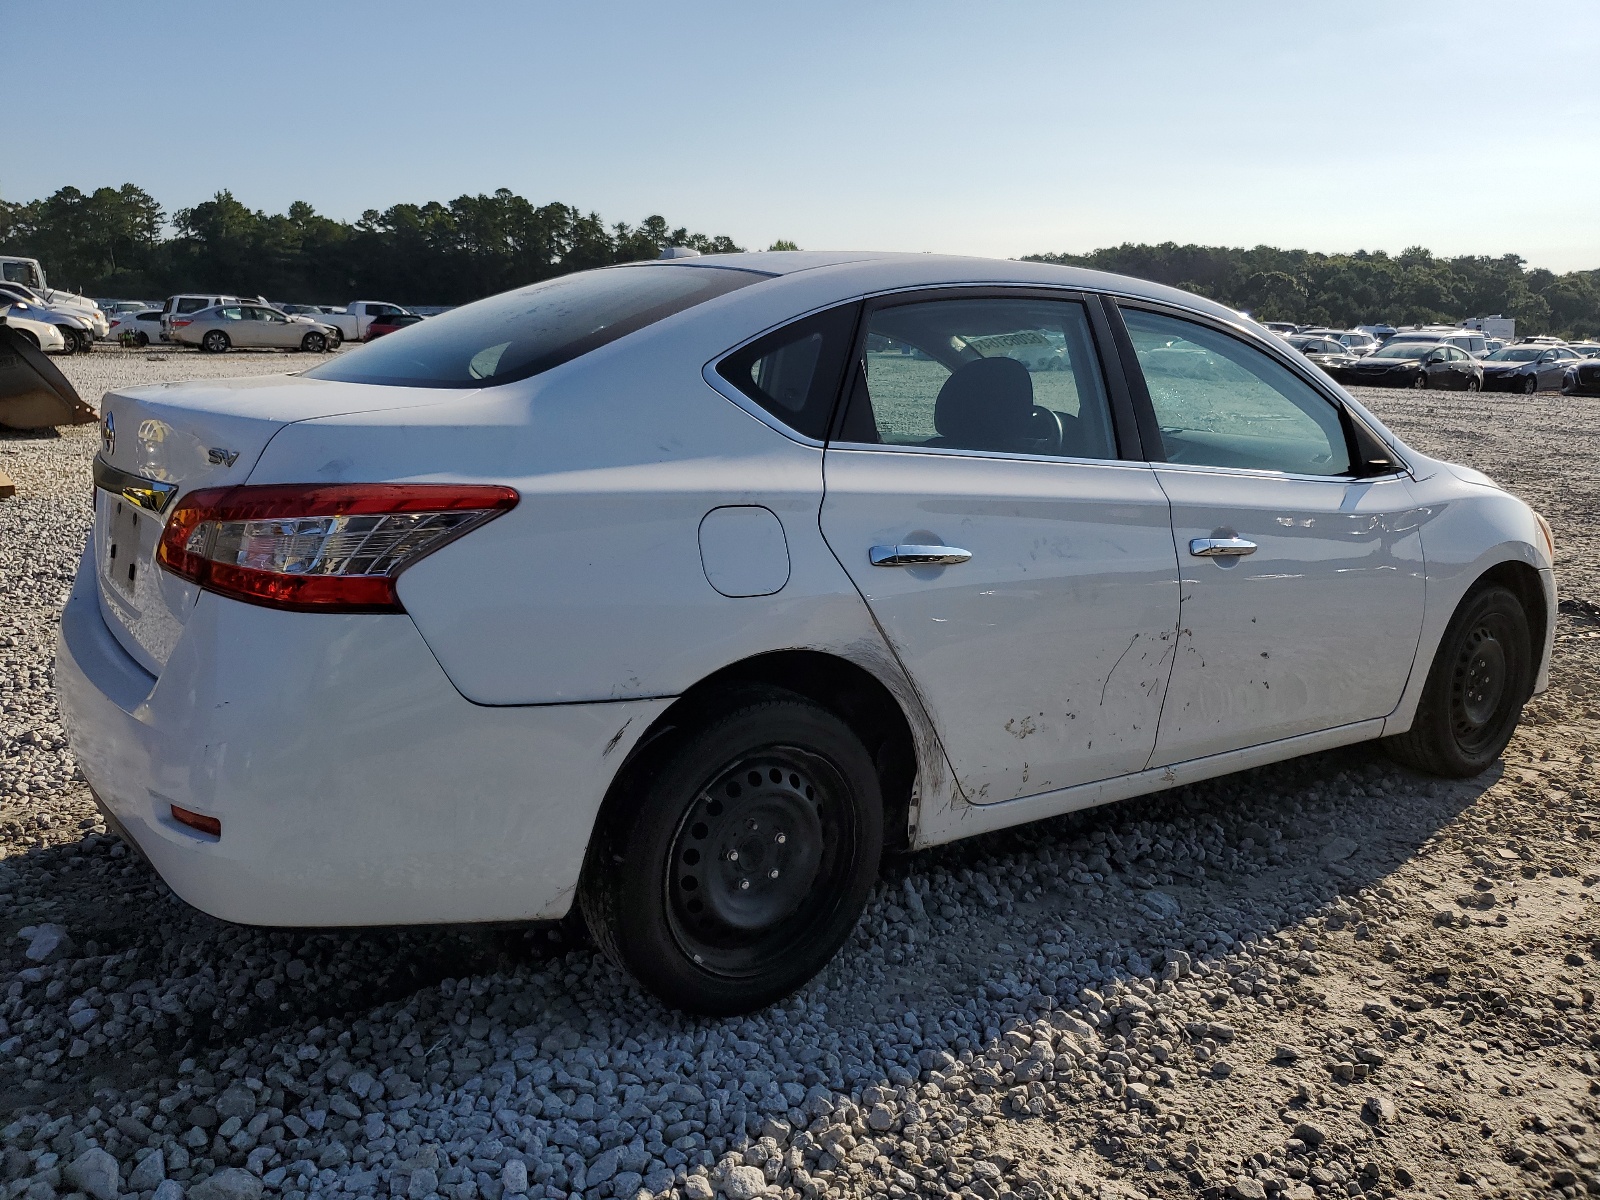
(1326, 978)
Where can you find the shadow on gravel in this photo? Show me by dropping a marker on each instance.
(1244, 856)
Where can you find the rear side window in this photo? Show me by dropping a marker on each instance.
(795, 373)
(533, 329)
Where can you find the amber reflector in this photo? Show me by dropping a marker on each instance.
(207, 825)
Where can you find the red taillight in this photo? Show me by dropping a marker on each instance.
(194, 820)
(319, 547)
(177, 324)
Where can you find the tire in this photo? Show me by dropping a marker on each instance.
(70, 339)
(1530, 385)
(1474, 386)
(684, 888)
(1421, 381)
(313, 343)
(141, 340)
(1479, 681)
(215, 342)
(335, 340)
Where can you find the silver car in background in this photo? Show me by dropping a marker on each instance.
(251, 326)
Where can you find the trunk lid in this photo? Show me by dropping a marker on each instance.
(160, 442)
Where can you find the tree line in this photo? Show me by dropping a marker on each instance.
(118, 242)
(1342, 290)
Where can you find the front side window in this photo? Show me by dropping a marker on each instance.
(1003, 375)
(533, 329)
(1222, 403)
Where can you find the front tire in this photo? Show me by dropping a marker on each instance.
(739, 858)
(69, 341)
(313, 343)
(1530, 385)
(215, 342)
(1421, 380)
(1481, 677)
(1473, 385)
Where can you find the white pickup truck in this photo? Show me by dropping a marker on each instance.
(358, 316)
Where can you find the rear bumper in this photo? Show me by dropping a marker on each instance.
(354, 784)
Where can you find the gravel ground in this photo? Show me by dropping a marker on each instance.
(1330, 977)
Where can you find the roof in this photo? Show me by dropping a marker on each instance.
(858, 272)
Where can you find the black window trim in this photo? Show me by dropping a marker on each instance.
(1124, 431)
(1351, 421)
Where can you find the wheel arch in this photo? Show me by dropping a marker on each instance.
(1532, 589)
(845, 687)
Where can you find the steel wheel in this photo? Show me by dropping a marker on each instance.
(1481, 676)
(737, 856)
(757, 843)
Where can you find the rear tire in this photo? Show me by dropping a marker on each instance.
(740, 857)
(313, 343)
(141, 340)
(215, 342)
(1481, 677)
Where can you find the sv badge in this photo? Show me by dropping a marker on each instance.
(222, 458)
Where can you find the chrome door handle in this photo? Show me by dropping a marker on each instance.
(1221, 547)
(917, 556)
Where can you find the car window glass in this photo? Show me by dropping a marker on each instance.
(519, 334)
(1222, 403)
(190, 305)
(231, 313)
(1011, 376)
(268, 314)
(795, 373)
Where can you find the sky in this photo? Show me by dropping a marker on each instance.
(995, 129)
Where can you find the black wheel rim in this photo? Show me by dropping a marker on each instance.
(759, 861)
(1480, 692)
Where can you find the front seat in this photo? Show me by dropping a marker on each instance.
(987, 404)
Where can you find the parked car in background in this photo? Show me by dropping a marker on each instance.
(29, 273)
(187, 303)
(77, 329)
(1585, 349)
(142, 328)
(355, 322)
(42, 334)
(1582, 378)
(114, 308)
(1415, 364)
(78, 325)
(1462, 339)
(1352, 340)
(389, 324)
(1281, 327)
(250, 326)
(1328, 353)
(1527, 368)
(1380, 333)
(482, 638)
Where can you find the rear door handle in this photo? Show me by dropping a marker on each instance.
(1221, 547)
(917, 556)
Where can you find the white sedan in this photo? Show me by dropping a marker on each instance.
(681, 590)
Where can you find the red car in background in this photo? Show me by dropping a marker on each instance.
(389, 324)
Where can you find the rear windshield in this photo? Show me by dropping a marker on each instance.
(521, 333)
